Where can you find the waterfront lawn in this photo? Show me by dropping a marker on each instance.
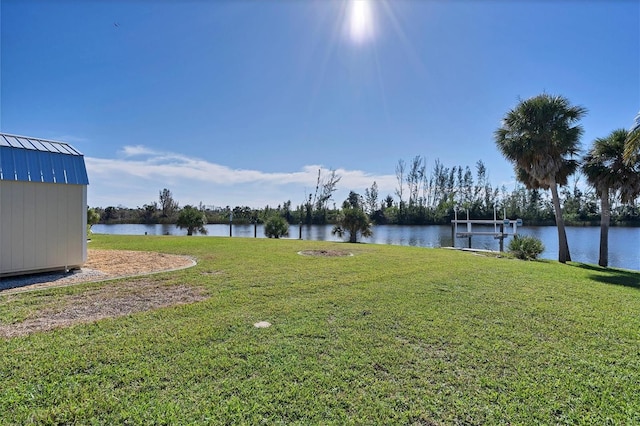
(391, 335)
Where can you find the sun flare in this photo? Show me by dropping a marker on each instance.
(361, 21)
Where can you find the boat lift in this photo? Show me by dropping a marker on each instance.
(498, 228)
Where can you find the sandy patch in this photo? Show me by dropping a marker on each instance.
(109, 301)
(101, 265)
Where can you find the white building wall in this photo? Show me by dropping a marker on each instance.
(42, 226)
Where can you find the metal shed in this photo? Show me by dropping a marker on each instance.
(43, 206)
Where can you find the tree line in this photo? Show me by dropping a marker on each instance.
(540, 137)
(421, 198)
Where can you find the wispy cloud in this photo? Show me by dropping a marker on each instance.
(134, 150)
(69, 138)
(139, 166)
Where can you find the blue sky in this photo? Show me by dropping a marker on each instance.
(241, 102)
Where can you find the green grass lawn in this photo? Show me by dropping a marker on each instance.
(391, 335)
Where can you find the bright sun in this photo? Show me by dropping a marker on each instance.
(361, 21)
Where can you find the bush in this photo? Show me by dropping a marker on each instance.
(525, 247)
(276, 227)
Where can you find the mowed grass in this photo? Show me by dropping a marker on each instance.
(391, 335)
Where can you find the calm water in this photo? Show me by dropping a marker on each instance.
(624, 243)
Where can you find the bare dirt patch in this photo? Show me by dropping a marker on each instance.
(117, 263)
(325, 253)
(109, 301)
(105, 302)
(100, 265)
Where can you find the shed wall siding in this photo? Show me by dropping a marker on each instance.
(42, 226)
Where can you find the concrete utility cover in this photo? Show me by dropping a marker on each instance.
(262, 324)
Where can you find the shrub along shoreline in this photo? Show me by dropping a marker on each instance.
(391, 334)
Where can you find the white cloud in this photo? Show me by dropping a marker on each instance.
(144, 172)
(68, 138)
(133, 150)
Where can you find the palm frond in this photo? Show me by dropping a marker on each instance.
(632, 142)
(605, 167)
(539, 136)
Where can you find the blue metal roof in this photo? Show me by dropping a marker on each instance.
(38, 160)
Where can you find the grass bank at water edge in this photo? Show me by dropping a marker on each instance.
(390, 335)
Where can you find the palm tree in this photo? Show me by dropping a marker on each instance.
(632, 143)
(539, 136)
(609, 174)
(353, 221)
(192, 219)
(276, 227)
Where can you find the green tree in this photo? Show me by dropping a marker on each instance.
(371, 198)
(109, 214)
(167, 204)
(93, 217)
(286, 211)
(610, 175)
(388, 201)
(192, 219)
(325, 187)
(353, 221)
(632, 142)
(354, 201)
(276, 227)
(539, 136)
(149, 212)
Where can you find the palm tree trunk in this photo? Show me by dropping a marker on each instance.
(605, 218)
(563, 245)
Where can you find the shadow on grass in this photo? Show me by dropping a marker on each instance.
(9, 283)
(612, 276)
